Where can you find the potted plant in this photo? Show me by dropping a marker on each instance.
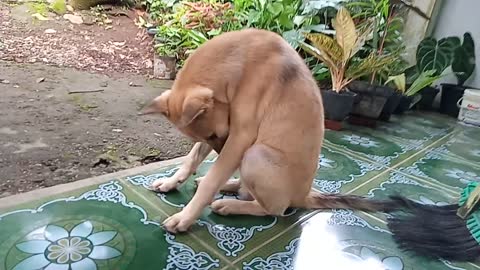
(337, 53)
(386, 39)
(463, 66)
(433, 55)
(410, 96)
(394, 100)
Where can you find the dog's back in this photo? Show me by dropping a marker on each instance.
(275, 82)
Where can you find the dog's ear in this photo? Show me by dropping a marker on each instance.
(197, 102)
(158, 105)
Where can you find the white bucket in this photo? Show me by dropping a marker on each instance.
(469, 106)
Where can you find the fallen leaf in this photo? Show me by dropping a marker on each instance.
(39, 80)
(75, 19)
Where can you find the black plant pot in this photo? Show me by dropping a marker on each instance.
(404, 104)
(428, 96)
(370, 100)
(451, 93)
(337, 106)
(392, 103)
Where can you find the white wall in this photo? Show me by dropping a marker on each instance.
(455, 18)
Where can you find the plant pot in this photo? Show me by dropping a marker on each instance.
(428, 95)
(390, 106)
(337, 106)
(370, 100)
(451, 93)
(404, 105)
(164, 67)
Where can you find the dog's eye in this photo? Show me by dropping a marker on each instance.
(212, 137)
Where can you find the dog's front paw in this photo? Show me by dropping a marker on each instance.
(180, 222)
(165, 184)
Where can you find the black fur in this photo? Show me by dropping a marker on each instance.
(288, 71)
(433, 231)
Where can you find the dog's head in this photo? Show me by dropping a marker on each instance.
(195, 113)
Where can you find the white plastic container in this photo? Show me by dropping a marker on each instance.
(469, 106)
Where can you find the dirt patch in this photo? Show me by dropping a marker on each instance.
(107, 41)
(48, 136)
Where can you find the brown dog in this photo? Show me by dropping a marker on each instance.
(249, 96)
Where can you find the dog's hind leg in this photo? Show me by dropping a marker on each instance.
(198, 153)
(264, 172)
(233, 185)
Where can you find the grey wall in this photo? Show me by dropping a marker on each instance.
(455, 18)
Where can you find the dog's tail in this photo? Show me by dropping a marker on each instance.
(317, 200)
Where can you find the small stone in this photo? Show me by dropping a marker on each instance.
(16, 86)
(5, 81)
(70, 8)
(132, 84)
(39, 80)
(148, 63)
(103, 84)
(75, 19)
(50, 31)
(117, 130)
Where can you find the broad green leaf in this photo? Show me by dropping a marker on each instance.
(285, 21)
(262, 4)
(346, 34)
(463, 63)
(433, 55)
(327, 46)
(275, 8)
(426, 78)
(298, 20)
(293, 37)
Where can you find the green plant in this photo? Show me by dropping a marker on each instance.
(387, 31)
(277, 16)
(337, 53)
(59, 7)
(436, 55)
(463, 63)
(38, 7)
(189, 24)
(424, 79)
